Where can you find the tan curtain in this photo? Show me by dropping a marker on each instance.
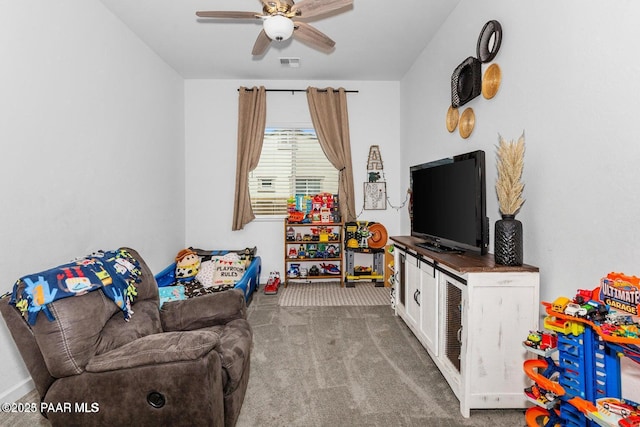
(252, 114)
(328, 108)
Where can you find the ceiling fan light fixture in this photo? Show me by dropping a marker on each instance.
(278, 27)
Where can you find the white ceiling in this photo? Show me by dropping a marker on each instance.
(375, 39)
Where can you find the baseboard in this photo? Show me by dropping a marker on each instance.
(17, 391)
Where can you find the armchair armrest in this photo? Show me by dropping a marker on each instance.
(207, 310)
(156, 349)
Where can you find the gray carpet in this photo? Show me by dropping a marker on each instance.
(347, 366)
(338, 366)
(326, 294)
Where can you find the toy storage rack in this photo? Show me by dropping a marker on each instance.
(589, 366)
(308, 261)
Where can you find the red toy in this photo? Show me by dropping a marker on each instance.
(543, 340)
(632, 421)
(271, 288)
(296, 216)
(583, 296)
(549, 340)
(330, 269)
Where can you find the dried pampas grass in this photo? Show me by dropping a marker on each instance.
(509, 186)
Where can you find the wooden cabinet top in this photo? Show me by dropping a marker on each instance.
(465, 262)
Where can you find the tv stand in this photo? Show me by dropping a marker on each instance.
(434, 247)
(471, 316)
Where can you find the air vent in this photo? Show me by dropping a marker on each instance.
(290, 62)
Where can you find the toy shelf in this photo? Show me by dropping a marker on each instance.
(313, 252)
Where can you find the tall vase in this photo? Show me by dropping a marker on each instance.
(508, 241)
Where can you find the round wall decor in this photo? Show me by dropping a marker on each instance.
(489, 41)
(452, 118)
(491, 81)
(467, 122)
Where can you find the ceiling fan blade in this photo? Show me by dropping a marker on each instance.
(310, 8)
(306, 33)
(223, 14)
(261, 44)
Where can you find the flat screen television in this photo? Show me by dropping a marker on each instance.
(449, 204)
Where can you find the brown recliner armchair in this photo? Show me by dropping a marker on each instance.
(185, 364)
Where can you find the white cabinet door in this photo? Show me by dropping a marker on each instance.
(400, 285)
(429, 305)
(412, 283)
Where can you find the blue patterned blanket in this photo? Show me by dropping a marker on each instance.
(115, 272)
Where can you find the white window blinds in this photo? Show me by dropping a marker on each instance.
(292, 162)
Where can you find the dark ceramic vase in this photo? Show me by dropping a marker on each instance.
(508, 241)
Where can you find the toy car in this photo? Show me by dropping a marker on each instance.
(294, 270)
(632, 421)
(541, 340)
(627, 331)
(296, 216)
(549, 340)
(330, 269)
(533, 339)
(573, 309)
(291, 236)
(273, 283)
(590, 312)
(536, 393)
(559, 304)
(596, 311)
(615, 318)
(618, 407)
(609, 329)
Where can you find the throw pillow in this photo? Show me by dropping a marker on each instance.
(206, 272)
(228, 272)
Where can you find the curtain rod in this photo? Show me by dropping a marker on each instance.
(298, 90)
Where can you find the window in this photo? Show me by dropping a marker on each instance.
(292, 162)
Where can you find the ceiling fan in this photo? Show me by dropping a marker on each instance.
(283, 18)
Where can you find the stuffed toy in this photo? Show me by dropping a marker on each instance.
(187, 265)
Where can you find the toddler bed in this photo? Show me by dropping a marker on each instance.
(200, 271)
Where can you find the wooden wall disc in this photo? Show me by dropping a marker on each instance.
(491, 81)
(467, 122)
(452, 118)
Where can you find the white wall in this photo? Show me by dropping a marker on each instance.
(84, 100)
(211, 116)
(92, 134)
(569, 80)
